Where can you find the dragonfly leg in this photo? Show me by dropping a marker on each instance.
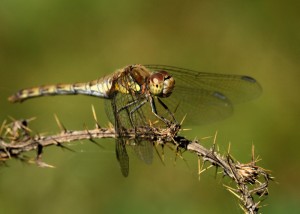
(143, 149)
(135, 109)
(154, 111)
(127, 105)
(167, 109)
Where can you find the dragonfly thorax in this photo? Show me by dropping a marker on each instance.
(161, 84)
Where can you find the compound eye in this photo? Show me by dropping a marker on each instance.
(156, 83)
(165, 74)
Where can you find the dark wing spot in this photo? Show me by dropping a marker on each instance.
(249, 79)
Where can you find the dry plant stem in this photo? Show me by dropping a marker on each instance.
(16, 148)
(250, 179)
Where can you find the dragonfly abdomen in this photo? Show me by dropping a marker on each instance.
(100, 88)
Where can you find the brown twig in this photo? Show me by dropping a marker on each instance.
(16, 138)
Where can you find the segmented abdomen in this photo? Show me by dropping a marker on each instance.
(100, 88)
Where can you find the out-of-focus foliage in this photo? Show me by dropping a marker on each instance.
(68, 41)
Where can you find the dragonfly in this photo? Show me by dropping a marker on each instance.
(138, 93)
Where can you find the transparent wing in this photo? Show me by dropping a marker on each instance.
(121, 152)
(207, 97)
(122, 156)
(143, 149)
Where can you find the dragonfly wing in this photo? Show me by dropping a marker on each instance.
(122, 156)
(121, 152)
(143, 149)
(199, 106)
(207, 97)
(140, 117)
(237, 88)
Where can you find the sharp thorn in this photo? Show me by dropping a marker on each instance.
(60, 125)
(95, 117)
(96, 143)
(215, 140)
(183, 119)
(253, 154)
(43, 164)
(229, 147)
(2, 127)
(63, 146)
(234, 193)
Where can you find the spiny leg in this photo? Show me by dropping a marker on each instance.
(143, 149)
(167, 109)
(132, 111)
(154, 111)
(129, 113)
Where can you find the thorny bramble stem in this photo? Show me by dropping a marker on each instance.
(16, 138)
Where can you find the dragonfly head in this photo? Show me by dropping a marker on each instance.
(161, 84)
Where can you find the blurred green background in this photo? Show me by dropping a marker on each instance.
(55, 41)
